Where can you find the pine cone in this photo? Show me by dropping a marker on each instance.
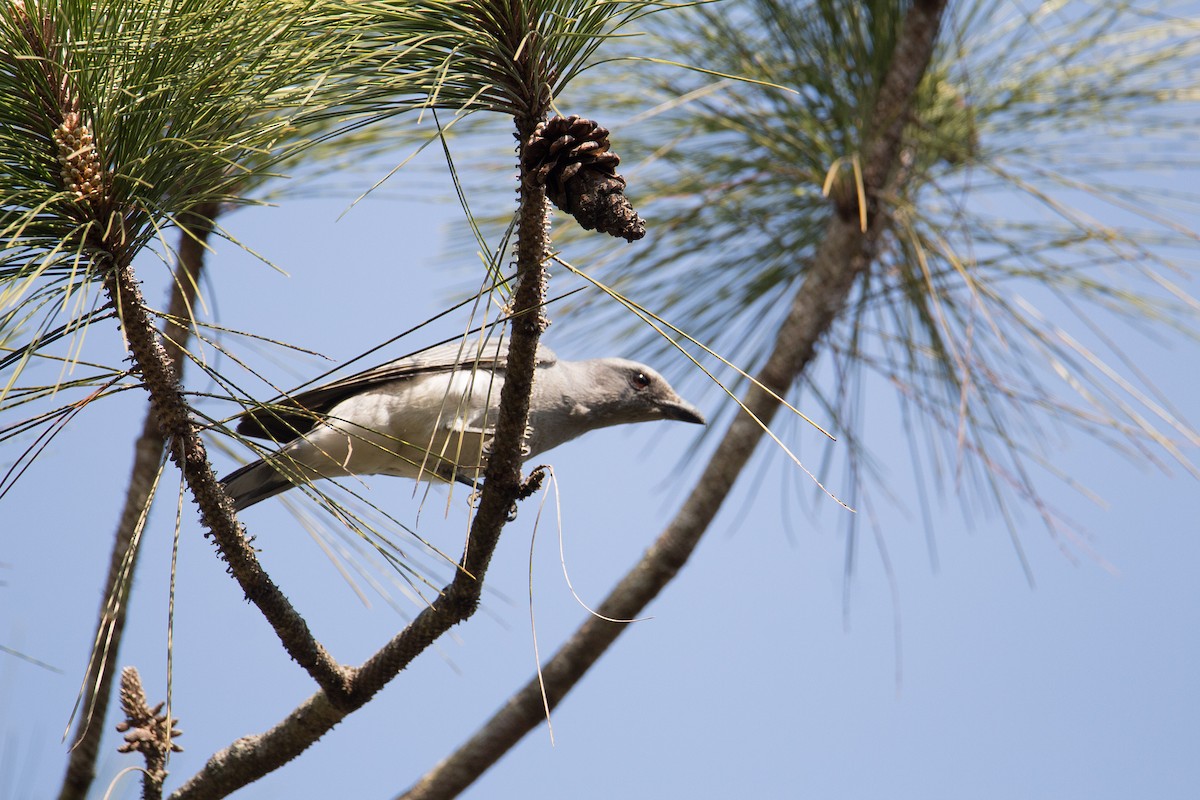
(571, 157)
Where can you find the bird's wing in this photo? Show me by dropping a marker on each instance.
(291, 415)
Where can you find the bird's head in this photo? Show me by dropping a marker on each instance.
(620, 391)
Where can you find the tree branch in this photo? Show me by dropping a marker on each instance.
(187, 450)
(147, 453)
(844, 254)
(250, 758)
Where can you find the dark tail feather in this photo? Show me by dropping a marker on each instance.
(256, 481)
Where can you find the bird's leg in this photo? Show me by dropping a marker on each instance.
(451, 474)
(475, 484)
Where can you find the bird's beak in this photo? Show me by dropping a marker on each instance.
(682, 410)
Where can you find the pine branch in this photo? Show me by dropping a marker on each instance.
(187, 451)
(502, 478)
(843, 256)
(148, 452)
(250, 758)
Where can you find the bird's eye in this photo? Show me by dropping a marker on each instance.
(640, 380)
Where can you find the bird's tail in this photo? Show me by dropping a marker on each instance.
(256, 481)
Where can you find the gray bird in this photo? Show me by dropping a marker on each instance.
(431, 416)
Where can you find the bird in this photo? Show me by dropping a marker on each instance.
(431, 416)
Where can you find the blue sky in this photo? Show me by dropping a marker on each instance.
(959, 681)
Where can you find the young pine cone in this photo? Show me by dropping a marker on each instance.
(80, 168)
(571, 157)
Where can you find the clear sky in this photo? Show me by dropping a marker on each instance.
(960, 681)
